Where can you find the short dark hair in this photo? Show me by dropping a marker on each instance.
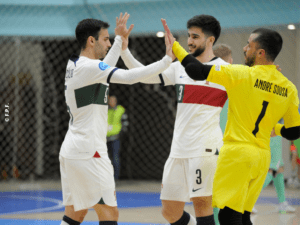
(270, 41)
(89, 27)
(209, 25)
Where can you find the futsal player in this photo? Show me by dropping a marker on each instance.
(86, 171)
(197, 139)
(259, 96)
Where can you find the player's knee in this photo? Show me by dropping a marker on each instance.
(168, 214)
(202, 202)
(83, 215)
(115, 213)
(165, 212)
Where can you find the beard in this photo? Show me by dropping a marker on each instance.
(100, 52)
(199, 51)
(250, 60)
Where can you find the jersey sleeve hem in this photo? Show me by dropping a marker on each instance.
(110, 74)
(278, 128)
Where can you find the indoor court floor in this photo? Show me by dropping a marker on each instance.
(40, 203)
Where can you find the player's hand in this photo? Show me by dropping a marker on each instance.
(273, 133)
(169, 40)
(122, 30)
(121, 24)
(278, 68)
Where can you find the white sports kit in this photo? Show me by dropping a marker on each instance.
(86, 171)
(197, 136)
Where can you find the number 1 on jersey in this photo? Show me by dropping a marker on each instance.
(261, 115)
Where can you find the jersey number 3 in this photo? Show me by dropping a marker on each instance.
(261, 115)
(198, 180)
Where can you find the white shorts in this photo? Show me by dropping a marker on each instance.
(86, 182)
(184, 179)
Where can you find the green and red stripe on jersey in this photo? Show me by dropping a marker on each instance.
(200, 94)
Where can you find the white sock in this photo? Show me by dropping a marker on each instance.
(192, 221)
(63, 223)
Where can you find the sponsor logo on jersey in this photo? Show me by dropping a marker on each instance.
(103, 66)
(218, 67)
(194, 190)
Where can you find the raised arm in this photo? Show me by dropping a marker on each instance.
(141, 73)
(129, 60)
(113, 55)
(120, 31)
(131, 63)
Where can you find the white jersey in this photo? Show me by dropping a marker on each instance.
(86, 92)
(197, 129)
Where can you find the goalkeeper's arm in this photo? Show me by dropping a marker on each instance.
(291, 133)
(195, 69)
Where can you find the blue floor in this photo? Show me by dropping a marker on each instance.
(48, 222)
(51, 201)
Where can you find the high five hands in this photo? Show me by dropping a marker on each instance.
(169, 40)
(122, 30)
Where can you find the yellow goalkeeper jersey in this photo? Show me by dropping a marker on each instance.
(259, 97)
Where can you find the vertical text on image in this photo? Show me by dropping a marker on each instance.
(6, 112)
